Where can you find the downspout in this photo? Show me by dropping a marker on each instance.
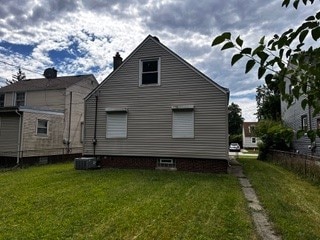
(94, 141)
(69, 127)
(313, 144)
(19, 138)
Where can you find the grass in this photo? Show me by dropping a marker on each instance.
(293, 203)
(58, 202)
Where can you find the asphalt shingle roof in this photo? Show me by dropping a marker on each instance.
(44, 83)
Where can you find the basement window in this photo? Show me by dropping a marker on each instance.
(166, 163)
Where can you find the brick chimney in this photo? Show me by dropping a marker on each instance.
(117, 61)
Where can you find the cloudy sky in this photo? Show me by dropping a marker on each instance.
(81, 37)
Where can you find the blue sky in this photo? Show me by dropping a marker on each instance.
(81, 37)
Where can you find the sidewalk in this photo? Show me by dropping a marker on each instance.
(260, 219)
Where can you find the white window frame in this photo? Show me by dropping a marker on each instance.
(158, 59)
(253, 140)
(304, 122)
(24, 100)
(181, 133)
(110, 134)
(47, 127)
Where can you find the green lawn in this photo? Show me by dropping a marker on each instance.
(292, 203)
(58, 202)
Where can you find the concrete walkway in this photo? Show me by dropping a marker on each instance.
(260, 219)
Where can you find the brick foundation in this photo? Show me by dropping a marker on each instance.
(182, 164)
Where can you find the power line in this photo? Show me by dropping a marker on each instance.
(16, 66)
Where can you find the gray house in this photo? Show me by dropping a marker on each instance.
(41, 119)
(298, 118)
(155, 110)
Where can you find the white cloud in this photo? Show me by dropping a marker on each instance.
(94, 30)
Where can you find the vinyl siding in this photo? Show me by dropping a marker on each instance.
(79, 91)
(9, 132)
(8, 99)
(46, 99)
(150, 111)
(37, 145)
(292, 118)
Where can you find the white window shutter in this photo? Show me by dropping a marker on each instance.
(117, 125)
(183, 124)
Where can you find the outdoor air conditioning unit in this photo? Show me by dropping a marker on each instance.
(85, 163)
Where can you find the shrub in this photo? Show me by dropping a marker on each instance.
(273, 135)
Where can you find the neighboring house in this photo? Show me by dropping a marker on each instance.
(250, 140)
(155, 110)
(298, 118)
(43, 117)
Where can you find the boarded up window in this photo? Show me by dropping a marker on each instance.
(116, 125)
(183, 123)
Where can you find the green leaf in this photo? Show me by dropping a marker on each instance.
(318, 15)
(236, 58)
(262, 40)
(263, 56)
(261, 72)
(304, 103)
(285, 3)
(300, 133)
(221, 38)
(250, 65)
(260, 48)
(239, 41)
(268, 78)
(227, 45)
(246, 51)
(311, 135)
(226, 35)
(218, 40)
(296, 92)
(311, 18)
(288, 53)
(295, 4)
(303, 35)
(315, 33)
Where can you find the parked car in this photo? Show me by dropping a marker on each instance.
(234, 147)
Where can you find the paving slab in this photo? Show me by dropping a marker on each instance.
(262, 224)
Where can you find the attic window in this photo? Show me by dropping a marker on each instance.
(149, 72)
(20, 99)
